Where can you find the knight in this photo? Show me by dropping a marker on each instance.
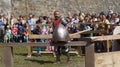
(60, 34)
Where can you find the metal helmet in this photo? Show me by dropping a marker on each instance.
(60, 34)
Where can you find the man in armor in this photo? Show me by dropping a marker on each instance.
(58, 37)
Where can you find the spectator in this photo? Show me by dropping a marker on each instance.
(40, 20)
(8, 35)
(20, 24)
(14, 30)
(49, 20)
(13, 20)
(2, 26)
(25, 35)
(106, 22)
(109, 11)
(44, 20)
(21, 34)
(31, 22)
(69, 22)
(50, 29)
(23, 19)
(75, 19)
(69, 15)
(37, 30)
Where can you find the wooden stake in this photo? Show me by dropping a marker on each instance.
(7, 56)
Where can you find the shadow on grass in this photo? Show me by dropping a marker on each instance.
(21, 54)
(40, 61)
(33, 54)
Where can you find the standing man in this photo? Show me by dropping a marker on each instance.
(2, 26)
(31, 21)
(60, 49)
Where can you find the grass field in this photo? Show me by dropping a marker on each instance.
(46, 60)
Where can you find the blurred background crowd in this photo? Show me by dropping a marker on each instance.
(16, 29)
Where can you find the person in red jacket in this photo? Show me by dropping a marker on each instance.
(14, 30)
(60, 49)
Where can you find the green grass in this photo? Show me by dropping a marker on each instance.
(46, 60)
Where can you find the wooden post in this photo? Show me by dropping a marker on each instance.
(108, 45)
(7, 56)
(89, 57)
(29, 47)
(79, 51)
(29, 51)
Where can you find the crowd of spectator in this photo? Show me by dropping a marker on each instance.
(17, 29)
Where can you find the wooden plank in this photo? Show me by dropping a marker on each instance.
(94, 31)
(40, 24)
(79, 32)
(49, 36)
(7, 57)
(72, 52)
(89, 57)
(73, 43)
(102, 38)
(75, 35)
(43, 51)
(73, 24)
(40, 36)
